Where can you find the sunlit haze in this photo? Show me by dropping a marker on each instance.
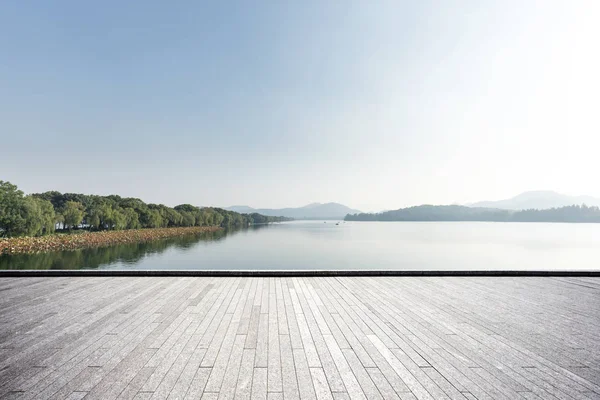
(376, 105)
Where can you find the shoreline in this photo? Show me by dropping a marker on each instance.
(85, 240)
(274, 273)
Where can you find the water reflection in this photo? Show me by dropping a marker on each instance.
(354, 245)
(124, 253)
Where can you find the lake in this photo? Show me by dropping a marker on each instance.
(351, 245)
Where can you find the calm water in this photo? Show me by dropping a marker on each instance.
(351, 245)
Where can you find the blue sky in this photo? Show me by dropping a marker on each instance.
(373, 104)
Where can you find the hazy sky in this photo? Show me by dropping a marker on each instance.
(374, 104)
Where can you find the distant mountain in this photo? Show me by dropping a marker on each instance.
(241, 209)
(464, 213)
(310, 211)
(541, 199)
(313, 205)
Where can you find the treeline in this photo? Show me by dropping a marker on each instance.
(43, 213)
(574, 213)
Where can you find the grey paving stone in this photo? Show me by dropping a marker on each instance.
(330, 337)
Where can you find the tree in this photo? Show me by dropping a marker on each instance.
(33, 217)
(188, 218)
(39, 213)
(56, 198)
(217, 219)
(12, 203)
(47, 215)
(132, 220)
(207, 217)
(105, 213)
(171, 217)
(154, 219)
(73, 214)
(186, 207)
(59, 219)
(119, 219)
(92, 217)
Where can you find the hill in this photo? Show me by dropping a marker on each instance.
(464, 213)
(310, 211)
(540, 199)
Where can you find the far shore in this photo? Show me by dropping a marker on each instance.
(84, 239)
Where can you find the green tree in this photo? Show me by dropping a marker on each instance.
(59, 219)
(47, 215)
(186, 207)
(33, 217)
(12, 203)
(39, 214)
(132, 220)
(119, 219)
(154, 219)
(105, 213)
(217, 219)
(92, 216)
(73, 214)
(188, 218)
(171, 217)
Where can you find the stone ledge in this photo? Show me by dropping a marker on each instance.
(286, 273)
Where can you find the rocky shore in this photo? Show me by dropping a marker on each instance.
(84, 239)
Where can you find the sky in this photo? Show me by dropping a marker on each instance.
(376, 105)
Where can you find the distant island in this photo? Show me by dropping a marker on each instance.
(538, 199)
(573, 213)
(311, 211)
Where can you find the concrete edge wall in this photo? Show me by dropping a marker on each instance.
(285, 273)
